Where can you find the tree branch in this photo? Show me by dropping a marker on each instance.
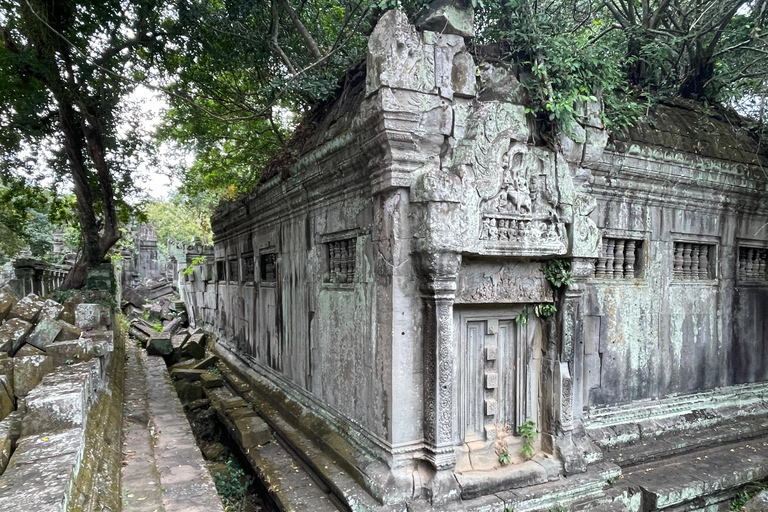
(313, 49)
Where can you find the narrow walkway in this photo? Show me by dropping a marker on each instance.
(163, 469)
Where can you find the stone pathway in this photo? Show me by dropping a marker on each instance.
(163, 469)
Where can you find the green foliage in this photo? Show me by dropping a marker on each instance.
(195, 262)
(528, 432)
(522, 318)
(504, 458)
(557, 272)
(232, 486)
(750, 491)
(181, 218)
(558, 508)
(158, 326)
(545, 310)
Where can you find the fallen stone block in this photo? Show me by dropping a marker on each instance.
(7, 403)
(192, 350)
(211, 380)
(240, 412)
(90, 317)
(139, 335)
(197, 404)
(213, 451)
(178, 340)
(60, 402)
(223, 399)
(8, 299)
(51, 309)
(189, 391)
(13, 334)
(198, 338)
(252, 431)
(28, 372)
(160, 344)
(71, 351)
(206, 363)
(68, 331)
(44, 333)
(165, 311)
(29, 350)
(187, 374)
(173, 326)
(27, 309)
(6, 367)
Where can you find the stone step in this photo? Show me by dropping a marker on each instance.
(677, 480)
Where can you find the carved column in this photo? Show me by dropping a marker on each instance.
(439, 271)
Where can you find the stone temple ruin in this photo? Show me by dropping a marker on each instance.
(387, 295)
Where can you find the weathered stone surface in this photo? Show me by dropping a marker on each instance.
(178, 340)
(224, 399)
(7, 401)
(207, 363)
(448, 17)
(192, 349)
(29, 350)
(6, 367)
(45, 333)
(13, 334)
(51, 309)
(8, 299)
(71, 351)
(160, 344)
(187, 374)
(8, 437)
(27, 309)
(173, 326)
(60, 401)
(757, 504)
(28, 372)
(252, 431)
(398, 57)
(68, 331)
(189, 391)
(211, 380)
(89, 317)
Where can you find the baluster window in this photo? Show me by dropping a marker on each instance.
(248, 267)
(693, 262)
(753, 264)
(620, 258)
(341, 260)
(268, 266)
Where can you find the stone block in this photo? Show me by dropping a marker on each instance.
(13, 334)
(28, 308)
(70, 351)
(223, 399)
(207, 363)
(189, 391)
(173, 326)
(60, 402)
(252, 431)
(6, 367)
(89, 317)
(7, 402)
(67, 332)
(51, 309)
(6, 442)
(448, 17)
(211, 380)
(160, 344)
(29, 350)
(187, 373)
(28, 372)
(165, 311)
(173, 358)
(198, 337)
(178, 340)
(7, 300)
(44, 333)
(191, 349)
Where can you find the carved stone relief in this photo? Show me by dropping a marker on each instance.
(487, 283)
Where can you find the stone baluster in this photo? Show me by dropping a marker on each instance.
(352, 254)
(629, 258)
(618, 261)
(762, 265)
(343, 261)
(678, 263)
(704, 262)
(695, 250)
(748, 267)
(609, 256)
(686, 261)
(600, 265)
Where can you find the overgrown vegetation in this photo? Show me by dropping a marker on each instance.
(557, 272)
(750, 491)
(528, 433)
(232, 485)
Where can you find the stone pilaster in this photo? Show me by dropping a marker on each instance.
(439, 271)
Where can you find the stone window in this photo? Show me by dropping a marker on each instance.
(693, 261)
(620, 258)
(233, 270)
(753, 264)
(268, 266)
(221, 270)
(248, 267)
(341, 260)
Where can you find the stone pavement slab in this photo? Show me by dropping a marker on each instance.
(187, 484)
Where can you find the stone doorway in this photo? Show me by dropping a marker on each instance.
(497, 371)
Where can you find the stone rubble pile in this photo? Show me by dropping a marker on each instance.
(53, 365)
(152, 294)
